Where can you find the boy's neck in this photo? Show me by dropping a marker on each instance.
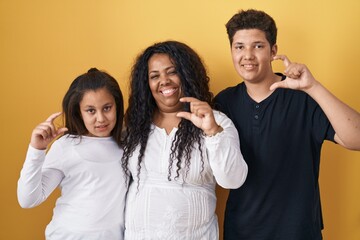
(259, 91)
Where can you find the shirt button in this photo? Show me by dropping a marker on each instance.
(256, 116)
(257, 106)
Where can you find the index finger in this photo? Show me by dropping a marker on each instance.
(284, 58)
(53, 116)
(189, 99)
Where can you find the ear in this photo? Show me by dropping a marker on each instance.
(274, 50)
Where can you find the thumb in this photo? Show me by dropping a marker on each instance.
(281, 84)
(61, 131)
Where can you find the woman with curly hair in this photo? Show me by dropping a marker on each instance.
(176, 148)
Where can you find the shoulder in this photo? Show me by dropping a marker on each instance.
(67, 139)
(224, 98)
(296, 96)
(230, 90)
(61, 141)
(228, 95)
(65, 143)
(295, 103)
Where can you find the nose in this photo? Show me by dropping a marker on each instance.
(248, 53)
(100, 117)
(164, 80)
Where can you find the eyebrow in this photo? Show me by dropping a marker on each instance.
(241, 43)
(167, 68)
(92, 106)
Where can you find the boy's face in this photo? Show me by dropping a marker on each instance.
(252, 55)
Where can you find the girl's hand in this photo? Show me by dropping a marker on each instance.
(45, 132)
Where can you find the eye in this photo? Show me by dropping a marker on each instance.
(90, 110)
(154, 76)
(107, 108)
(239, 47)
(259, 46)
(172, 72)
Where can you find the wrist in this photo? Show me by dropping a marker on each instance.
(212, 133)
(313, 88)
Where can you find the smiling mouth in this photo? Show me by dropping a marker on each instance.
(249, 66)
(101, 127)
(168, 92)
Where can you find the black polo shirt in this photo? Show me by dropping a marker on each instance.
(280, 139)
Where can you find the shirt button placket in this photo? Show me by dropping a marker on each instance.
(256, 119)
(256, 111)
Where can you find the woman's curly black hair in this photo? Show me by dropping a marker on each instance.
(139, 115)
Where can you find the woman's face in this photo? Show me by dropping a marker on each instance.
(164, 83)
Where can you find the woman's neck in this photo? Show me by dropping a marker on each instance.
(166, 120)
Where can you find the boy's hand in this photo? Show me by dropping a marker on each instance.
(297, 75)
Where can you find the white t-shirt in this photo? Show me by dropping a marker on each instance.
(92, 183)
(183, 208)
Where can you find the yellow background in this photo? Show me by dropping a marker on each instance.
(44, 45)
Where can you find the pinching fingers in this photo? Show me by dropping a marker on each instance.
(284, 58)
(200, 109)
(46, 130)
(294, 70)
(52, 117)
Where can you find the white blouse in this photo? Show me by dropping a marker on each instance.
(183, 208)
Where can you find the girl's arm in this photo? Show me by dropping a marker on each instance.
(36, 184)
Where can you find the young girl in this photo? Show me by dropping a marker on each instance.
(84, 163)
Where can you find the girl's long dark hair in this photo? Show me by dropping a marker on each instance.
(141, 108)
(91, 81)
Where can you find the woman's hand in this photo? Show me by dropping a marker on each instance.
(201, 115)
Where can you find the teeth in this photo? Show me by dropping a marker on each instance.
(249, 66)
(168, 91)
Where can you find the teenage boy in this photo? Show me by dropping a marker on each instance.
(282, 120)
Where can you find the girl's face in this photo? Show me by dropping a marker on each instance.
(164, 83)
(98, 111)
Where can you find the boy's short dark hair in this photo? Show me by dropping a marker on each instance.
(252, 19)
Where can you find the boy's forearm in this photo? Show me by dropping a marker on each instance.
(344, 119)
